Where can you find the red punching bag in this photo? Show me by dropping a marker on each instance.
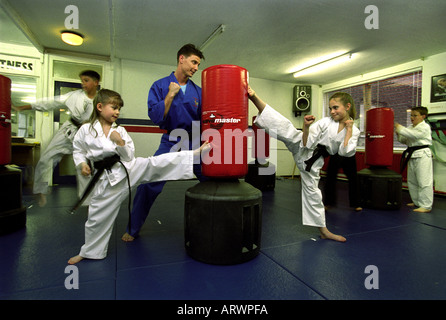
(5, 120)
(260, 142)
(379, 137)
(224, 120)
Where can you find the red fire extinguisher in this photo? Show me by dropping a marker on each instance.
(5, 120)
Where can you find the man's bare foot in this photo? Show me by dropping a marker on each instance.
(75, 259)
(411, 204)
(127, 238)
(325, 234)
(358, 209)
(41, 199)
(423, 210)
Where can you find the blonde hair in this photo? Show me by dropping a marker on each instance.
(346, 98)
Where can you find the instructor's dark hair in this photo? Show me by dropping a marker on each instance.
(189, 49)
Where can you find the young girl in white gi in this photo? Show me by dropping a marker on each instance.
(334, 134)
(102, 138)
(418, 137)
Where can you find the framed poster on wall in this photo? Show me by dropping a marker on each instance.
(438, 88)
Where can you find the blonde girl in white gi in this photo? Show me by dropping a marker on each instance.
(103, 138)
(418, 137)
(336, 133)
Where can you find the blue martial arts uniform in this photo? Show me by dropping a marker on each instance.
(185, 108)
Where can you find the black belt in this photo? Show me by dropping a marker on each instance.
(100, 166)
(407, 154)
(320, 151)
(75, 122)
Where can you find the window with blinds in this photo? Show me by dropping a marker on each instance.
(399, 93)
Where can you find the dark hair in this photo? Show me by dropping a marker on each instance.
(346, 98)
(189, 49)
(90, 73)
(104, 96)
(422, 110)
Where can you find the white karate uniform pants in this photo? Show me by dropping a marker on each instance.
(60, 145)
(313, 211)
(420, 181)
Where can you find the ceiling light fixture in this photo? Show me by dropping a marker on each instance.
(324, 64)
(72, 38)
(215, 34)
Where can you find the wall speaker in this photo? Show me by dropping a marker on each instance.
(301, 99)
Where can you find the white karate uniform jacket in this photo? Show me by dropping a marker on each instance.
(325, 132)
(79, 104)
(420, 167)
(112, 188)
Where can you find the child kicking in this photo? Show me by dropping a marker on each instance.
(102, 142)
(330, 135)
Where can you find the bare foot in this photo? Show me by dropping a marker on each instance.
(411, 204)
(42, 199)
(421, 210)
(325, 234)
(75, 259)
(358, 209)
(127, 238)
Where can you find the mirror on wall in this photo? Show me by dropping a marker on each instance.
(23, 91)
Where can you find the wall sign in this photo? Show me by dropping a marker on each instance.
(19, 65)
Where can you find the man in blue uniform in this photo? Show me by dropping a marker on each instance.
(174, 103)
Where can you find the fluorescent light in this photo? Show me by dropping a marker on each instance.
(215, 34)
(324, 64)
(318, 60)
(72, 38)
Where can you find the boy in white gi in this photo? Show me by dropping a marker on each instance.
(102, 139)
(80, 105)
(418, 137)
(330, 135)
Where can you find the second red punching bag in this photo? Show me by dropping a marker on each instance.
(225, 121)
(5, 120)
(379, 137)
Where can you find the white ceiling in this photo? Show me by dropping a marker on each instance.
(270, 38)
